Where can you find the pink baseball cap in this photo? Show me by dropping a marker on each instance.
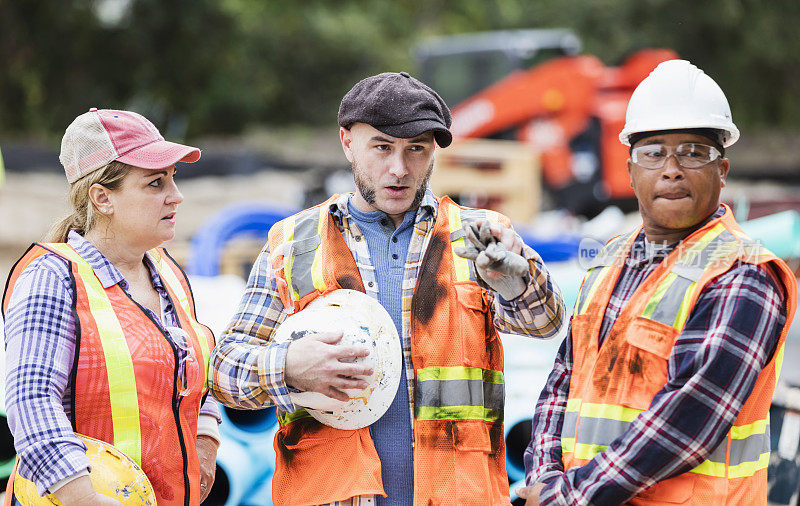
(100, 136)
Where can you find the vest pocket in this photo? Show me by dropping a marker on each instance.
(304, 434)
(471, 436)
(647, 355)
(470, 296)
(452, 463)
(476, 331)
(652, 336)
(472, 459)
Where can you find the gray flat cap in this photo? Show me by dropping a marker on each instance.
(397, 105)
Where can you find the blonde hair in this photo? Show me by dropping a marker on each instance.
(82, 218)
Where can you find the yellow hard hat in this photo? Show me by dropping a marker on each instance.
(113, 474)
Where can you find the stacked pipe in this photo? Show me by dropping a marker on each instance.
(784, 463)
(246, 458)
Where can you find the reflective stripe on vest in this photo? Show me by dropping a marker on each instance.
(465, 269)
(119, 364)
(169, 277)
(287, 418)
(601, 424)
(593, 280)
(453, 393)
(449, 393)
(303, 260)
(670, 304)
(716, 244)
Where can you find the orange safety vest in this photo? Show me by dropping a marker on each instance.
(613, 383)
(124, 377)
(459, 452)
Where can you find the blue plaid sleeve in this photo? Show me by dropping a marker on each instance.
(543, 455)
(247, 368)
(211, 408)
(40, 346)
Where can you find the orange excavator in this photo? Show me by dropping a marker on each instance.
(569, 106)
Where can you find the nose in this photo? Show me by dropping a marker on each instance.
(671, 169)
(397, 165)
(174, 196)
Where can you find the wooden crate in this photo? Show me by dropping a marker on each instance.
(239, 256)
(506, 173)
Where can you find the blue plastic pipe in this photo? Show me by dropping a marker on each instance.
(246, 219)
(238, 473)
(248, 426)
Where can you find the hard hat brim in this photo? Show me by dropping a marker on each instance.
(730, 134)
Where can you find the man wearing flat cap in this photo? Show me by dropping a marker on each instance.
(450, 277)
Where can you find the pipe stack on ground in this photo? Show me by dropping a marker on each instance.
(246, 458)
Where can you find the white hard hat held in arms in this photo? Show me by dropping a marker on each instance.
(364, 322)
(677, 96)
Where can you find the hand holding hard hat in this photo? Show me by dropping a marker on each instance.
(359, 372)
(324, 362)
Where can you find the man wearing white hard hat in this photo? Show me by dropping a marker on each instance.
(389, 302)
(660, 393)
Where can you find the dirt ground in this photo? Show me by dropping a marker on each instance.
(31, 203)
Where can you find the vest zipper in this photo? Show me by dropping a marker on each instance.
(176, 400)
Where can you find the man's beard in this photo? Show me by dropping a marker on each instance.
(368, 193)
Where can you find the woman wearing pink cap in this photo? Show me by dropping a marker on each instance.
(101, 335)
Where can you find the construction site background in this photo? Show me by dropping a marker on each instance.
(256, 85)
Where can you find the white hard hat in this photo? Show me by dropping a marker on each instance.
(363, 321)
(678, 96)
(113, 474)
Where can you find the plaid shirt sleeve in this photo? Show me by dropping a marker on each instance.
(40, 345)
(543, 456)
(732, 333)
(211, 408)
(539, 311)
(247, 368)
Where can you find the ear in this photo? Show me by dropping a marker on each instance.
(724, 168)
(630, 175)
(100, 197)
(346, 137)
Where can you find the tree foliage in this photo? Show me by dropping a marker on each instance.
(215, 66)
